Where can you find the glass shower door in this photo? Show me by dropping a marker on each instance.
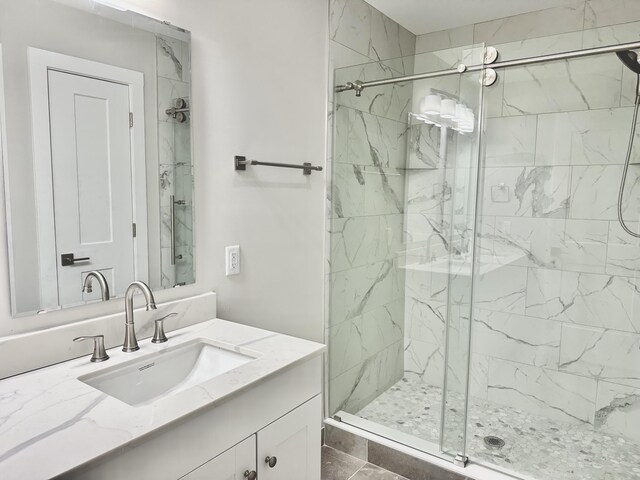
(556, 346)
(404, 175)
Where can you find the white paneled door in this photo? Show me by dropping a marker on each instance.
(92, 181)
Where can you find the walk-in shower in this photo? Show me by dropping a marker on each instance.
(483, 294)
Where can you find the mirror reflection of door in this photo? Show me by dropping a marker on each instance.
(92, 181)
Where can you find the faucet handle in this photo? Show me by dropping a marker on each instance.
(99, 353)
(159, 335)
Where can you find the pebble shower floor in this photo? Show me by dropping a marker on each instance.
(534, 445)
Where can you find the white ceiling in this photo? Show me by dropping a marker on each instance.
(424, 16)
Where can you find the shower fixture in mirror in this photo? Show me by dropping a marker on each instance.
(96, 146)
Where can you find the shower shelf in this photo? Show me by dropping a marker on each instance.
(463, 266)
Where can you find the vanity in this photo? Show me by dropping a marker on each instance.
(218, 400)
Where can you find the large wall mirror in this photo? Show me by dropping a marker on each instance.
(96, 146)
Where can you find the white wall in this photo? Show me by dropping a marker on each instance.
(259, 89)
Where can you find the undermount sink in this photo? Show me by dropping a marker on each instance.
(166, 372)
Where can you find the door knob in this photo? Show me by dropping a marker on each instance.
(271, 461)
(250, 475)
(68, 259)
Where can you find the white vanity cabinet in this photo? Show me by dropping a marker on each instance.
(237, 463)
(280, 417)
(287, 449)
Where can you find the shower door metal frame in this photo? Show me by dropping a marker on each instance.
(587, 52)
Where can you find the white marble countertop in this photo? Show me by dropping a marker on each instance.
(50, 422)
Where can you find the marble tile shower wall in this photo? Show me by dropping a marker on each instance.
(557, 325)
(176, 170)
(365, 310)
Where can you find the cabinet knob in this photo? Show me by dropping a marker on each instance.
(250, 475)
(271, 461)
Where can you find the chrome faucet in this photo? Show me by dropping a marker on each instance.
(104, 286)
(130, 341)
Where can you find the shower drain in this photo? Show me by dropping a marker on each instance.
(495, 443)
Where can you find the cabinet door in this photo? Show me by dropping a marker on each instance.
(289, 448)
(230, 465)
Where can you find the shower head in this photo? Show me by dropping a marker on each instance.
(630, 59)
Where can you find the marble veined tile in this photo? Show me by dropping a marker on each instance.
(596, 137)
(359, 290)
(348, 190)
(358, 386)
(458, 331)
(358, 241)
(389, 39)
(341, 118)
(526, 191)
(425, 319)
(578, 84)
(167, 184)
(423, 146)
(424, 362)
(510, 141)
(350, 24)
(354, 341)
(553, 394)
(611, 35)
(384, 190)
(541, 23)
(341, 56)
(427, 237)
(594, 192)
(166, 143)
(429, 191)
(599, 13)
(453, 37)
(168, 270)
(618, 410)
(165, 226)
(532, 47)
(389, 101)
(502, 290)
(508, 336)
(375, 141)
(584, 248)
(493, 98)
(603, 301)
(607, 355)
(172, 57)
(623, 250)
(436, 60)
(346, 346)
(539, 241)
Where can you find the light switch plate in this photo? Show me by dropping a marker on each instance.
(232, 260)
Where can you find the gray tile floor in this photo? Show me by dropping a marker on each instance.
(340, 466)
